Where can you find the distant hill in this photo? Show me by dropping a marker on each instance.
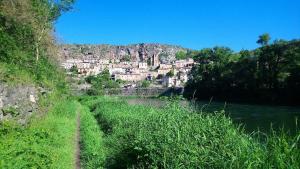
(135, 52)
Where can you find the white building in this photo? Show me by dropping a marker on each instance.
(70, 63)
(143, 65)
(165, 66)
(171, 81)
(184, 63)
(116, 70)
(130, 77)
(103, 61)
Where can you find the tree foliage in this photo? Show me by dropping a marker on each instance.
(145, 84)
(171, 73)
(100, 82)
(269, 73)
(264, 39)
(181, 55)
(26, 34)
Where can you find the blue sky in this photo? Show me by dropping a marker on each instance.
(193, 24)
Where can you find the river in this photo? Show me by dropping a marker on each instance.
(251, 117)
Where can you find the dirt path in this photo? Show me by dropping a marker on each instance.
(77, 142)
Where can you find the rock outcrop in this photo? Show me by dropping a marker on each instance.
(137, 52)
(17, 102)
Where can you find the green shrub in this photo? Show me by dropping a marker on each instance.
(145, 84)
(101, 82)
(74, 70)
(171, 73)
(181, 55)
(10, 110)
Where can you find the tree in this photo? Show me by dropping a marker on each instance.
(171, 73)
(26, 28)
(191, 53)
(126, 58)
(100, 82)
(181, 55)
(46, 12)
(60, 6)
(244, 71)
(145, 84)
(264, 39)
(269, 73)
(74, 69)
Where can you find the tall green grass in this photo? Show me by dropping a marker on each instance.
(174, 137)
(47, 141)
(92, 152)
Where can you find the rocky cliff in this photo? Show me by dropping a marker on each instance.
(137, 52)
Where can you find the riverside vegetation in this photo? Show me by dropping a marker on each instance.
(268, 74)
(135, 136)
(113, 133)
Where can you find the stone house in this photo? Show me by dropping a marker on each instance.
(184, 63)
(163, 71)
(171, 81)
(165, 66)
(155, 60)
(143, 65)
(103, 61)
(70, 63)
(129, 77)
(116, 70)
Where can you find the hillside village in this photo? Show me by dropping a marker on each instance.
(132, 64)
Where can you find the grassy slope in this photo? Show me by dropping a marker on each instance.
(12, 75)
(45, 143)
(139, 136)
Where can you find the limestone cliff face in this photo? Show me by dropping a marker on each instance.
(137, 52)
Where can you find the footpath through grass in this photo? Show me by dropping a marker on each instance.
(92, 153)
(174, 137)
(114, 134)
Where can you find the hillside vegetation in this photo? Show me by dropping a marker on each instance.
(27, 46)
(27, 57)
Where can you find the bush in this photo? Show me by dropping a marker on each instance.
(74, 70)
(145, 84)
(171, 73)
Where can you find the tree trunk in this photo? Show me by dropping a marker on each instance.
(37, 52)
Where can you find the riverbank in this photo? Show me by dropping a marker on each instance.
(139, 136)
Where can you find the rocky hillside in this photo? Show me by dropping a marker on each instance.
(136, 52)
